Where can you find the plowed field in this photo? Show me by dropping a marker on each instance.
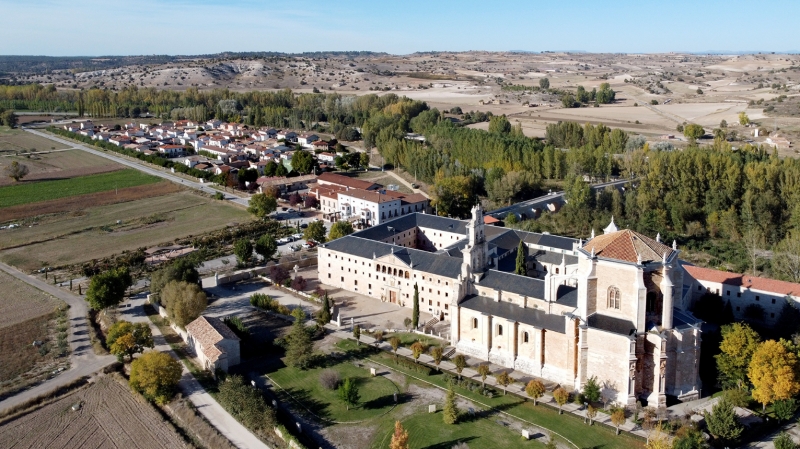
(110, 416)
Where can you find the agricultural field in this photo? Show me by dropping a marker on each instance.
(93, 232)
(26, 315)
(127, 421)
(58, 164)
(32, 192)
(16, 140)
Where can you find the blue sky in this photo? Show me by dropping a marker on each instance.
(112, 27)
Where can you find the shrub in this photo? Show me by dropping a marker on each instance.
(299, 283)
(247, 405)
(278, 274)
(266, 302)
(237, 326)
(415, 367)
(329, 379)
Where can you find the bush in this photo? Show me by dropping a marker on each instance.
(329, 379)
(469, 385)
(237, 326)
(247, 405)
(299, 283)
(415, 367)
(278, 274)
(266, 302)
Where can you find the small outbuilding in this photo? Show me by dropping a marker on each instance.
(216, 346)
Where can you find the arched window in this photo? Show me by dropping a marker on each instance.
(499, 329)
(524, 337)
(474, 323)
(377, 267)
(406, 274)
(651, 301)
(613, 298)
(383, 269)
(556, 270)
(394, 272)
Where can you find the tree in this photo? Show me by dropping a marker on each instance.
(788, 320)
(693, 131)
(772, 371)
(125, 338)
(266, 247)
(357, 334)
(461, 362)
(407, 323)
(484, 370)
(107, 289)
(568, 101)
(503, 379)
(415, 309)
(784, 409)
(744, 120)
(591, 391)
(739, 342)
(786, 262)
(395, 342)
(295, 199)
(243, 249)
(723, 123)
(302, 161)
(399, 438)
(340, 229)
(16, 171)
(658, 440)
(561, 397)
(535, 389)
(689, 437)
(262, 205)
(436, 353)
(315, 231)
(310, 201)
(522, 264)
(544, 83)
(324, 316)
(299, 345)
(454, 195)
(618, 417)
(605, 94)
(184, 302)
(591, 412)
(299, 283)
(499, 124)
(784, 441)
(416, 350)
(450, 409)
(348, 393)
(364, 159)
(155, 375)
(722, 423)
(182, 270)
(278, 274)
(9, 118)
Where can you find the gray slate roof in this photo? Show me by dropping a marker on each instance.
(439, 264)
(611, 324)
(533, 317)
(514, 283)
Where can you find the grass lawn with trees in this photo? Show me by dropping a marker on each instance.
(24, 193)
(376, 393)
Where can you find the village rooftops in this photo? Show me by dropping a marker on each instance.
(346, 181)
(743, 280)
(209, 331)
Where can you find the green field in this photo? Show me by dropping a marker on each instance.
(303, 385)
(33, 192)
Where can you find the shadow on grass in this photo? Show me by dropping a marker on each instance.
(450, 444)
(479, 414)
(386, 401)
(313, 405)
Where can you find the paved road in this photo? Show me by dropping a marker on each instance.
(191, 388)
(542, 201)
(83, 360)
(150, 171)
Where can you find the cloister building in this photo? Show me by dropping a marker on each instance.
(613, 307)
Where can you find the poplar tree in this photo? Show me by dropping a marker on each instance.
(522, 252)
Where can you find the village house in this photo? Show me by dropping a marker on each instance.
(307, 139)
(215, 345)
(285, 185)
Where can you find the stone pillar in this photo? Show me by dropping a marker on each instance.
(487, 332)
(538, 349)
(666, 293)
(583, 355)
(455, 324)
(632, 371)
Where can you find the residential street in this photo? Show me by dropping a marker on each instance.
(83, 360)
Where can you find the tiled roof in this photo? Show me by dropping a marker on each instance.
(627, 245)
(208, 331)
(745, 281)
(514, 283)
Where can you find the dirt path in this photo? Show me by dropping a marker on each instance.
(83, 360)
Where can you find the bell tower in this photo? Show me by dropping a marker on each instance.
(476, 250)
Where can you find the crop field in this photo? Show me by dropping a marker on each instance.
(32, 192)
(58, 164)
(14, 140)
(25, 316)
(127, 421)
(80, 202)
(93, 233)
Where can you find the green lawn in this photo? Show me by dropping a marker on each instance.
(377, 393)
(32, 192)
(427, 431)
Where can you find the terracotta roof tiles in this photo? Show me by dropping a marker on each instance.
(627, 245)
(741, 280)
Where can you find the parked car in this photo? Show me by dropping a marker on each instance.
(304, 225)
(284, 209)
(414, 186)
(284, 240)
(298, 236)
(309, 244)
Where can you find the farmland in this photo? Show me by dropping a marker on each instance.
(126, 421)
(26, 315)
(28, 192)
(93, 233)
(58, 164)
(15, 140)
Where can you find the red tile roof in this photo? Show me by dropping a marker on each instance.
(627, 245)
(346, 181)
(743, 280)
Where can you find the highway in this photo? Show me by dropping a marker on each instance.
(139, 166)
(526, 207)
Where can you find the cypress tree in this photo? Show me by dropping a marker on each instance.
(450, 408)
(415, 311)
(522, 252)
(325, 313)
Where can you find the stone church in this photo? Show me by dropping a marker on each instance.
(614, 307)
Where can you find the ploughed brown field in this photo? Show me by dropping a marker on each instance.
(108, 415)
